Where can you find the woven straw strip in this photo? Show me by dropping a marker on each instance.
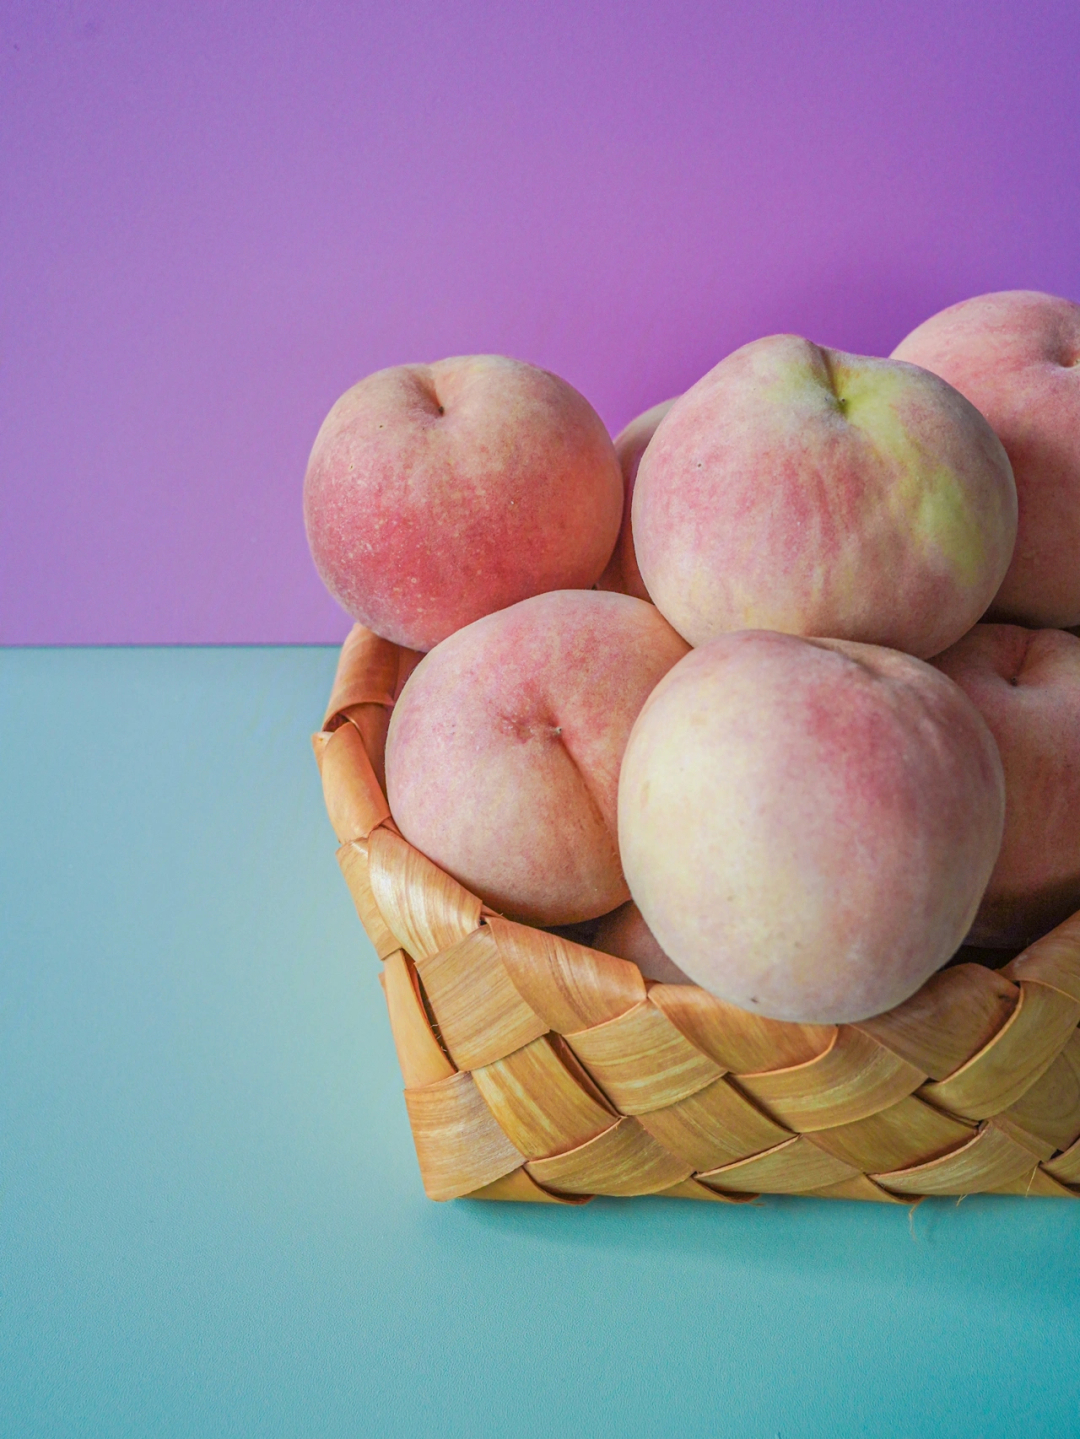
(540, 1102)
(458, 1143)
(855, 1077)
(1054, 960)
(985, 1163)
(1038, 1185)
(353, 859)
(354, 800)
(641, 1061)
(520, 1188)
(542, 1071)
(956, 1013)
(713, 1127)
(858, 1187)
(1066, 1167)
(623, 1160)
(794, 1167)
(1035, 1146)
(480, 1014)
(369, 676)
(904, 1134)
(425, 908)
(367, 673)
(420, 1055)
(691, 1189)
(1009, 1064)
(1049, 1113)
(737, 1041)
(571, 987)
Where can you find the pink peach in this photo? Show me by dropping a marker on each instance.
(625, 934)
(1016, 355)
(439, 493)
(502, 760)
(802, 489)
(1026, 685)
(622, 573)
(807, 826)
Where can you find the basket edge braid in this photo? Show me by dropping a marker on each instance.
(538, 1070)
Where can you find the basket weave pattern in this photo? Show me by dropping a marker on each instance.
(537, 1069)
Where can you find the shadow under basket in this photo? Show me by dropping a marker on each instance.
(538, 1069)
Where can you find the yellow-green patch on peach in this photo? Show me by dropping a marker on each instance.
(813, 492)
(1016, 355)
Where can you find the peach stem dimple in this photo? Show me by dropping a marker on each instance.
(830, 373)
(427, 384)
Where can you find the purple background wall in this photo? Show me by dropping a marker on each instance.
(214, 218)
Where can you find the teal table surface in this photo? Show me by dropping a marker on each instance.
(211, 1220)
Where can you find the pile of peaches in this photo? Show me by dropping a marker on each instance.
(775, 694)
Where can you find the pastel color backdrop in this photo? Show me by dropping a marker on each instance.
(211, 1220)
(215, 217)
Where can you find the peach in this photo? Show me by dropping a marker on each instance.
(622, 573)
(1026, 685)
(502, 760)
(807, 826)
(805, 490)
(1016, 355)
(624, 933)
(439, 493)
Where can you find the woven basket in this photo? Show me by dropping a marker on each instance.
(538, 1069)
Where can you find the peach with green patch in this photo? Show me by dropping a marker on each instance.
(1016, 355)
(805, 490)
(1026, 685)
(807, 826)
(439, 493)
(502, 760)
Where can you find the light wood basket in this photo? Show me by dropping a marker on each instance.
(538, 1069)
